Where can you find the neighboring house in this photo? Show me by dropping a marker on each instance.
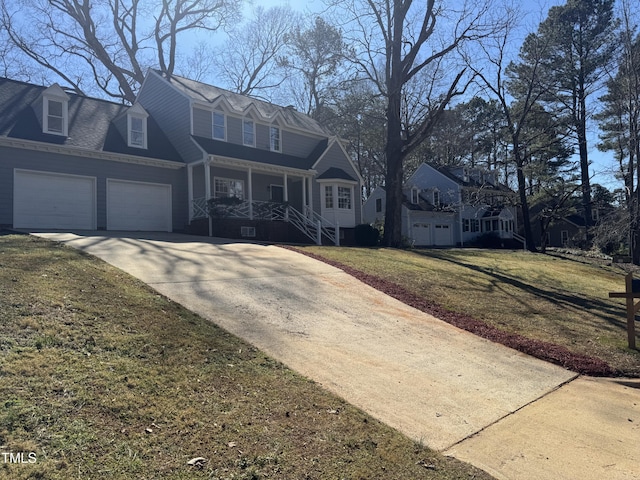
(72, 162)
(567, 227)
(447, 206)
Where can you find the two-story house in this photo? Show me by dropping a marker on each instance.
(68, 161)
(448, 206)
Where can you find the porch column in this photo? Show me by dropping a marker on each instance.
(250, 193)
(207, 180)
(286, 196)
(310, 212)
(207, 191)
(286, 189)
(304, 195)
(190, 190)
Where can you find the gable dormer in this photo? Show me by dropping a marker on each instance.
(137, 126)
(55, 111)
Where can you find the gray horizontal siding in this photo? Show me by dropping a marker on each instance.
(172, 111)
(11, 158)
(298, 145)
(202, 123)
(291, 143)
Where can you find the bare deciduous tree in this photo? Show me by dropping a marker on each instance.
(250, 60)
(396, 42)
(107, 45)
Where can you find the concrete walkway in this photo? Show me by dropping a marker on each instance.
(512, 415)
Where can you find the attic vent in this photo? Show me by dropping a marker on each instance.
(248, 231)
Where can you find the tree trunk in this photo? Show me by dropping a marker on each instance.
(584, 169)
(522, 191)
(394, 175)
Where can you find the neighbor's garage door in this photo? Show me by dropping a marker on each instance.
(138, 206)
(50, 200)
(422, 234)
(443, 235)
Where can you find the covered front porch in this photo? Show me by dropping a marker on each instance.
(242, 190)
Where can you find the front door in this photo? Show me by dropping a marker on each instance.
(276, 193)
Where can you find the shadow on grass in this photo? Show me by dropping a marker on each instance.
(597, 308)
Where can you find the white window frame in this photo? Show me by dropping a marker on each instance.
(436, 197)
(415, 195)
(245, 123)
(64, 116)
(213, 125)
(275, 147)
(131, 131)
(329, 201)
(227, 192)
(378, 205)
(341, 197)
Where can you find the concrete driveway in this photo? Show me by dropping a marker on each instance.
(512, 415)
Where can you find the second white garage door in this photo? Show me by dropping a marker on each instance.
(138, 206)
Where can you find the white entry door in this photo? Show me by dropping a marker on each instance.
(138, 206)
(54, 201)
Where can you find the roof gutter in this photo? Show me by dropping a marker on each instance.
(93, 154)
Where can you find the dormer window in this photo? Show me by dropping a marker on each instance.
(55, 115)
(248, 132)
(219, 128)
(415, 194)
(274, 138)
(137, 126)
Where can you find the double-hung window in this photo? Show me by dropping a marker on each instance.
(219, 128)
(55, 117)
(328, 196)
(136, 132)
(344, 198)
(274, 136)
(248, 132)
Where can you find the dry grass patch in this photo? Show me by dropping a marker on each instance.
(101, 377)
(540, 297)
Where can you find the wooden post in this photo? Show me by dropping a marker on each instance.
(632, 308)
(631, 311)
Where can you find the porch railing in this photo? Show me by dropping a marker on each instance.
(311, 224)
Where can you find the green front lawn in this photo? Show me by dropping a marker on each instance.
(540, 297)
(101, 377)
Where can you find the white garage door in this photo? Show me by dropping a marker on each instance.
(443, 235)
(422, 234)
(50, 200)
(138, 206)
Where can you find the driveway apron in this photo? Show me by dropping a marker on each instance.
(437, 384)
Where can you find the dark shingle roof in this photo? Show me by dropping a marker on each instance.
(243, 103)
(471, 182)
(251, 154)
(90, 123)
(337, 174)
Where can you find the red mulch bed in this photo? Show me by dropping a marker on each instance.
(550, 352)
